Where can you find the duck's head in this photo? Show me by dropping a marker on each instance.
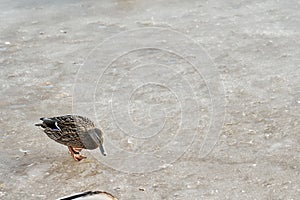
(94, 139)
(99, 138)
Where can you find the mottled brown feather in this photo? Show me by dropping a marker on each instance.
(73, 128)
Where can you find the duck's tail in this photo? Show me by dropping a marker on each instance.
(40, 124)
(48, 122)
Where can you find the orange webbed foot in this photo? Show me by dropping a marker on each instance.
(75, 153)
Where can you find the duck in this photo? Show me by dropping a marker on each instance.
(90, 195)
(74, 131)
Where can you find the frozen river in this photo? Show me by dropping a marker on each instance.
(197, 99)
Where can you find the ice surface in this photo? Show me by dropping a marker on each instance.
(154, 143)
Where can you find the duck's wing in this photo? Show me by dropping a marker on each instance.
(91, 195)
(74, 123)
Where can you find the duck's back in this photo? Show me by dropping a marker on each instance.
(74, 123)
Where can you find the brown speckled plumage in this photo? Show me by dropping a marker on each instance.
(74, 131)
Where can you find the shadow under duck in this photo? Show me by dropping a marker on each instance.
(74, 131)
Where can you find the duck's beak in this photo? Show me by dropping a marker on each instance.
(101, 147)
